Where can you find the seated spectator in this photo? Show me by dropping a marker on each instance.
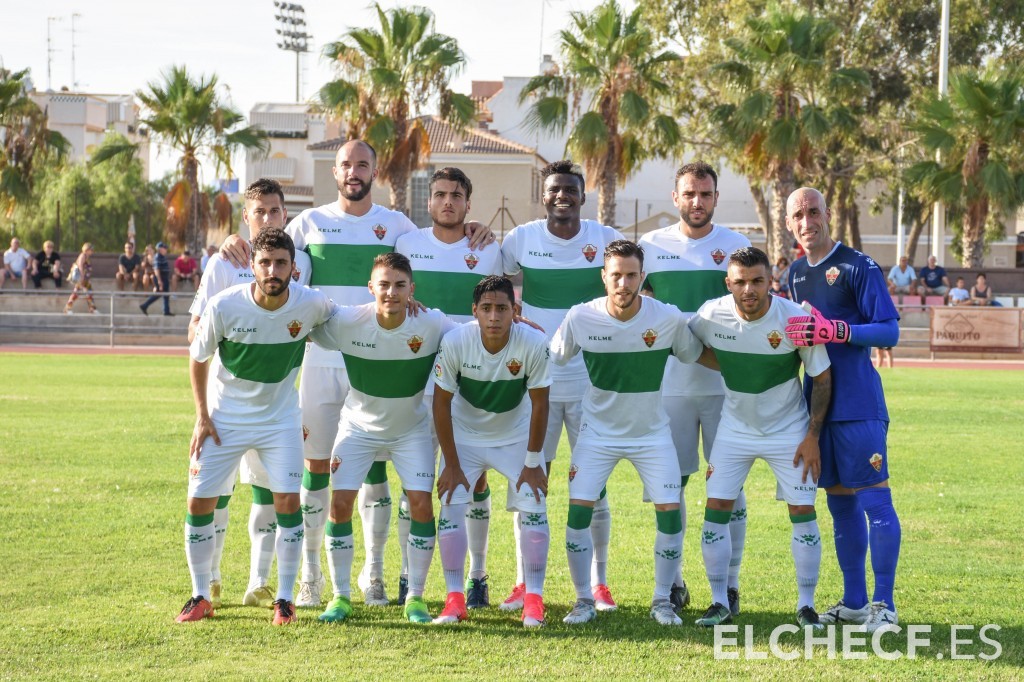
(129, 268)
(148, 277)
(185, 269)
(902, 279)
(933, 279)
(17, 264)
(780, 270)
(958, 295)
(981, 292)
(47, 266)
(210, 250)
(779, 288)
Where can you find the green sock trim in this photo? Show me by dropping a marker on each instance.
(480, 497)
(199, 520)
(378, 473)
(339, 530)
(262, 495)
(669, 522)
(423, 529)
(580, 516)
(289, 520)
(803, 518)
(222, 501)
(604, 494)
(311, 481)
(686, 479)
(721, 517)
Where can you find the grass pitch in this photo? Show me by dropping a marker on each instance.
(93, 451)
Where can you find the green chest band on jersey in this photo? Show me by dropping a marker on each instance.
(343, 265)
(639, 372)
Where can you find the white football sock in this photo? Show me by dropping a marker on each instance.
(601, 532)
(535, 540)
(340, 553)
(199, 542)
(716, 549)
(453, 541)
(737, 538)
(263, 537)
(478, 523)
(806, 548)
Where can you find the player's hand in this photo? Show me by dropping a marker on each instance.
(235, 250)
(449, 481)
(517, 318)
(414, 307)
(536, 479)
(810, 330)
(810, 454)
(204, 429)
(479, 235)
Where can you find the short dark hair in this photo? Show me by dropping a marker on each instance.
(495, 283)
(563, 167)
(264, 187)
(451, 174)
(699, 170)
(272, 238)
(981, 274)
(623, 248)
(749, 256)
(394, 261)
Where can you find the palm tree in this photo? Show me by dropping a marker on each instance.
(189, 115)
(386, 75)
(615, 64)
(978, 131)
(782, 98)
(25, 141)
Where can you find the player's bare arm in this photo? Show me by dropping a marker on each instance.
(535, 476)
(709, 359)
(192, 324)
(235, 250)
(452, 476)
(204, 428)
(808, 451)
(479, 235)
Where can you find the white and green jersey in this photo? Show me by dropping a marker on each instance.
(686, 273)
(626, 363)
(446, 274)
(387, 368)
(260, 352)
(491, 406)
(557, 274)
(220, 274)
(341, 248)
(760, 365)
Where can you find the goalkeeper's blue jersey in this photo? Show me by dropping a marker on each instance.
(847, 285)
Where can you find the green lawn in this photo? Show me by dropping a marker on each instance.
(93, 452)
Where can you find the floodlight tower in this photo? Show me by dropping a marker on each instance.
(292, 18)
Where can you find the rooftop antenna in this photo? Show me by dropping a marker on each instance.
(50, 50)
(74, 80)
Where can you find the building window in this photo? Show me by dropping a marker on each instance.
(419, 192)
(537, 186)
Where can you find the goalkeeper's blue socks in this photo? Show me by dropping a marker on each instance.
(851, 537)
(884, 535)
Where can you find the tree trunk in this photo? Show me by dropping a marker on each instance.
(917, 227)
(853, 226)
(606, 199)
(195, 234)
(400, 189)
(974, 234)
(761, 206)
(840, 211)
(783, 184)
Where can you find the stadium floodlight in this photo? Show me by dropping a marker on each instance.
(292, 19)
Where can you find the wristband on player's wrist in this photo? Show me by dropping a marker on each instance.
(533, 459)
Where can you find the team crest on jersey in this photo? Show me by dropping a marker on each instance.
(718, 256)
(710, 470)
(305, 432)
(649, 337)
(774, 338)
(573, 469)
(876, 461)
(193, 468)
(294, 327)
(514, 366)
(471, 261)
(415, 343)
(380, 231)
(335, 463)
(831, 275)
(590, 252)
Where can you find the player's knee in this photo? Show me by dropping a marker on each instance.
(839, 489)
(671, 506)
(200, 506)
(801, 510)
(481, 483)
(421, 507)
(286, 503)
(318, 466)
(717, 504)
(342, 502)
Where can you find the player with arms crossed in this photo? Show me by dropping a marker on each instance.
(560, 261)
(484, 420)
(765, 417)
(685, 266)
(625, 340)
(259, 331)
(263, 207)
(447, 272)
(389, 355)
(851, 312)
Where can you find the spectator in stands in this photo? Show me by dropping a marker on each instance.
(883, 355)
(148, 275)
(185, 268)
(958, 295)
(779, 287)
(780, 270)
(81, 277)
(129, 268)
(210, 250)
(981, 292)
(17, 264)
(47, 265)
(902, 279)
(161, 280)
(933, 279)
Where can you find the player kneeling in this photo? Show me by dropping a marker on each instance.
(764, 416)
(482, 375)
